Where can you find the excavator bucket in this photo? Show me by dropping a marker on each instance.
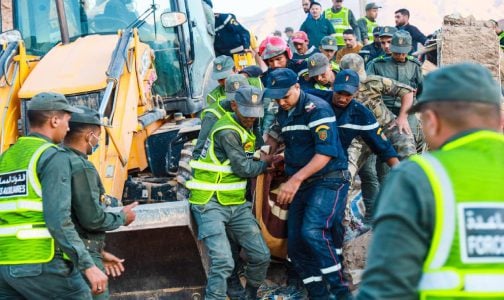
(163, 258)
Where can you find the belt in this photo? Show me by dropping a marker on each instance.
(342, 174)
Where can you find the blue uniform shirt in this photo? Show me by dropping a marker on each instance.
(310, 129)
(357, 120)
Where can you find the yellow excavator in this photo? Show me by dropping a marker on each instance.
(145, 66)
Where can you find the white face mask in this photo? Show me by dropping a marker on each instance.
(95, 147)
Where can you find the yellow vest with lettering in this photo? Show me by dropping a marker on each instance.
(466, 256)
(24, 238)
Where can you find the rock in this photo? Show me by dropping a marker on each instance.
(355, 257)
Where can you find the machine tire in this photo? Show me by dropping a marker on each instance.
(184, 172)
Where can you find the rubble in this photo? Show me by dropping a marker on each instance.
(465, 39)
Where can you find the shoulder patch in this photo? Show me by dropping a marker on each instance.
(321, 127)
(414, 59)
(310, 106)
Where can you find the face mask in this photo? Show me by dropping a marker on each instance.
(95, 147)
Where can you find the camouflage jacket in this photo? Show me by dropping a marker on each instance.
(371, 91)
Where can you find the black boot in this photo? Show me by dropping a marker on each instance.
(235, 290)
(250, 292)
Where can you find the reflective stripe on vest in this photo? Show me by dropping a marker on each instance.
(209, 167)
(202, 185)
(340, 23)
(20, 205)
(370, 25)
(23, 236)
(318, 86)
(214, 177)
(449, 271)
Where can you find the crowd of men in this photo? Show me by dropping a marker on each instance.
(342, 98)
(346, 98)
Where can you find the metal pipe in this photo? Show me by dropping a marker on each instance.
(65, 35)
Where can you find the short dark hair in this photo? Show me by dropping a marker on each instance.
(402, 11)
(315, 3)
(77, 129)
(37, 118)
(462, 114)
(349, 31)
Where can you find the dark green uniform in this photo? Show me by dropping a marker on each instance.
(408, 72)
(59, 277)
(88, 215)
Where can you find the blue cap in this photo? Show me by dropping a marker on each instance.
(346, 81)
(279, 82)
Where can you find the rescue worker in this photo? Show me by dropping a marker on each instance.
(342, 19)
(329, 48)
(386, 34)
(302, 45)
(351, 45)
(218, 195)
(373, 50)
(438, 227)
(317, 26)
(217, 110)
(321, 72)
(405, 69)
(368, 23)
(276, 54)
(317, 166)
(223, 66)
(41, 254)
(396, 129)
(88, 195)
(402, 23)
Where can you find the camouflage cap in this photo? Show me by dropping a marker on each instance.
(459, 82)
(388, 31)
(51, 101)
(249, 100)
(329, 43)
(401, 42)
(355, 62)
(233, 83)
(222, 67)
(317, 64)
(87, 116)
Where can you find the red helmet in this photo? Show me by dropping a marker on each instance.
(273, 46)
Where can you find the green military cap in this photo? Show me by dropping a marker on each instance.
(388, 31)
(329, 43)
(233, 83)
(459, 82)
(87, 116)
(250, 101)
(372, 5)
(317, 64)
(51, 101)
(222, 67)
(401, 42)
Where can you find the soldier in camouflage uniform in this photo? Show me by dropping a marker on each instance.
(371, 90)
